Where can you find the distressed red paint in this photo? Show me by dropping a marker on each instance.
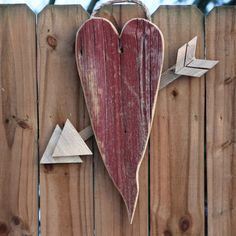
(120, 77)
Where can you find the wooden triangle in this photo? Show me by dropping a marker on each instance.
(70, 143)
(47, 156)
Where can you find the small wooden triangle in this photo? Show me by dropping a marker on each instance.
(70, 143)
(47, 156)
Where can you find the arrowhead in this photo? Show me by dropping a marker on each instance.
(70, 143)
(47, 156)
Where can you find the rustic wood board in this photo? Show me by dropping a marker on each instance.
(18, 122)
(221, 121)
(120, 77)
(66, 190)
(110, 211)
(177, 138)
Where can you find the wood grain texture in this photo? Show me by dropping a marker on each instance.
(119, 14)
(18, 122)
(70, 143)
(110, 211)
(120, 78)
(221, 121)
(66, 190)
(177, 138)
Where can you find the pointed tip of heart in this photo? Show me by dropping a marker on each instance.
(131, 216)
(131, 210)
(131, 203)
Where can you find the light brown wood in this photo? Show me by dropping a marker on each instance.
(47, 157)
(221, 122)
(18, 122)
(177, 138)
(110, 212)
(70, 143)
(119, 14)
(67, 189)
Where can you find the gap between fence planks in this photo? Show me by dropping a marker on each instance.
(66, 190)
(221, 122)
(18, 124)
(177, 138)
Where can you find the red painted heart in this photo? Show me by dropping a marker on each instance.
(120, 78)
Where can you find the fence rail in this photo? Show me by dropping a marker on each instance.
(187, 178)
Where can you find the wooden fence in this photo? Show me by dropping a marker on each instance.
(187, 179)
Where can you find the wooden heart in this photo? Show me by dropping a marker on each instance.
(120, 78)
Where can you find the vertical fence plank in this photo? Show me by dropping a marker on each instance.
(177, 138)
(66, 190)
(110, 212)
(18, 122)
(221, 122)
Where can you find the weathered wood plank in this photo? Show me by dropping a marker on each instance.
(221, 121)
(110, 212)
(120, 77)
(18, 122)
(66, 190)
(177, 138)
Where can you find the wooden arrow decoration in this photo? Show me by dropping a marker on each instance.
(67, 145)
(98, 63)
(166, 78)
(188, 65)
(120, 77)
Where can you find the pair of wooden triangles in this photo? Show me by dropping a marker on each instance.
(66, 146)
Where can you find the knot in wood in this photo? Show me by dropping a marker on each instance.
(23, 124)
(185, 223)
(16, 220)
(167, 233)
(52, 41)
(3, 228)
(174, 93)
(48, 168)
